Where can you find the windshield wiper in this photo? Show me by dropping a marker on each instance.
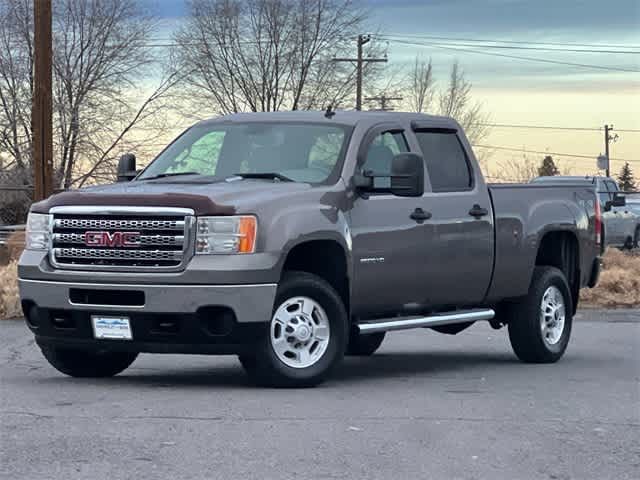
(265, 175)
(172, 174)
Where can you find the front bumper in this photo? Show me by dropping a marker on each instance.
(249, 303)
(164, 318)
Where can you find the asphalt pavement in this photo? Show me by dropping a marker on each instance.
(426, 406)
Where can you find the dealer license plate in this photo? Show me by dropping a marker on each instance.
(112, 328)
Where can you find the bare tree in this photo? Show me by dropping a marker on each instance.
(518, 169)
(456, 101)
(421, 91)
(16, 85)
(267, 55)
(101, 93)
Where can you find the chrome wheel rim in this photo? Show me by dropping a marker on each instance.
(552, 315)
(299, 332)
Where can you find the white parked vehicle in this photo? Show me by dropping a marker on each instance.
(620, 225)
(633, 206)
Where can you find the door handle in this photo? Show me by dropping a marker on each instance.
(419, 215)
(477, 211)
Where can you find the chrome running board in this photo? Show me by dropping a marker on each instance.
(387, 325)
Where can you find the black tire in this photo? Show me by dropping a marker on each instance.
(82, 363)
(636, 238)
(266, 369)
(364, 345)
(628, 244)
(525, 332)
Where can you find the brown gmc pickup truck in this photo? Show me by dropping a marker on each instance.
(291, 239)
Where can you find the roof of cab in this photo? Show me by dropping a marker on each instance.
(342, 117)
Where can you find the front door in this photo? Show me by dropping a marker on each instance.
(387, 242)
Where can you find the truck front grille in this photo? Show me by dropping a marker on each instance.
(121, 238)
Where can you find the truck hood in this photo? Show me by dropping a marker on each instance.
(225, 197)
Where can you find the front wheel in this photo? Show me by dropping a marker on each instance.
(636, 238)
(307, 334)
(81, 363)
(540, 323)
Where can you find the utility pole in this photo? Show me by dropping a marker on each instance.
(608, 139)
(360, 61)
(41, 108)
(384, 100)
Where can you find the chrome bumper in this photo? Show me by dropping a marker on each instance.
(250, 303)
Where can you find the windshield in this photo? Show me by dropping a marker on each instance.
(301, 152)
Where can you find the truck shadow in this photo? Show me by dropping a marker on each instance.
(421, 364)
(354, 369)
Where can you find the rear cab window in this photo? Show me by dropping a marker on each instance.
(446, 160)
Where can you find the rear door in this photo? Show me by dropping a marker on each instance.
(458, 259)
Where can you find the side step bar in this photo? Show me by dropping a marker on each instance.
(431, 321)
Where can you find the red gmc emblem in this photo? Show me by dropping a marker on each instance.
(112, 239)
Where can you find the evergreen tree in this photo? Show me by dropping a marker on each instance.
(625, 180)
(548, 167)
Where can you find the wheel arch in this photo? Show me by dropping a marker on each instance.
(561, 249)
(325, 257)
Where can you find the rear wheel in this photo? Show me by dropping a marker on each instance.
(629, 243)
(307, 334)
(364, 345)
(540, 324)
(81, 363)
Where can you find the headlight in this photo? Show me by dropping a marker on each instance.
(38, 232)
(236, 234)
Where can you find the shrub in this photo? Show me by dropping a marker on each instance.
(619, 284)
(9, 298)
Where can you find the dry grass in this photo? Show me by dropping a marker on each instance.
(13, 248)
(619, 285)
(9, 298)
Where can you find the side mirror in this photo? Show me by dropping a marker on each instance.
(619, 200)
(407, 175)
(127, 167)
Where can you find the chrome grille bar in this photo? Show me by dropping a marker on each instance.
(145, 240)
(104, 253)
(114, 224)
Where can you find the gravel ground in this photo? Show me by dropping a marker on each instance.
(426, 406)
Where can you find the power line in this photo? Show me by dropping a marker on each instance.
(554, 127)
(539, 127)
(517, 57)
(517, 42)
(540, 152)
(522, 47)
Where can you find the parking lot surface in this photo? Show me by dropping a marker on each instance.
(425, 406)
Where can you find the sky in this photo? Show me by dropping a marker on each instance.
(515, 91)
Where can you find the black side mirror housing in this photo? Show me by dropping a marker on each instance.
(407, 175)
(127, 167)
(619, 200)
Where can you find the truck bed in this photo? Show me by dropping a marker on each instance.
(523, 213)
